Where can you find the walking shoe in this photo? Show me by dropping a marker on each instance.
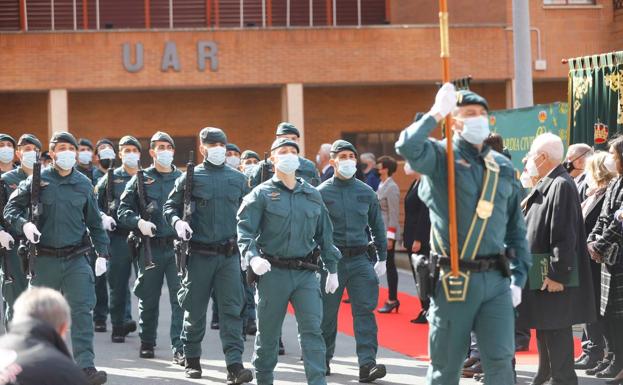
(118, 334)
(611, 371)
(94, 376)
(328, 372)
(147, 350)
(129, 327)
(421, 318)
(469, 372)
(100, 326)
(371, 372)
(237, 374)
(193, 368)
(178, 358)
(600, 366)
(586, 362)
(282, 349)
(251, 327)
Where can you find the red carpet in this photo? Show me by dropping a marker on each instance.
(398, 334)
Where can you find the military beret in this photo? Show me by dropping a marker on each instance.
(29, 139)
(418, 116)
(248, 154)
(466, 97)
(7, 137)
(342, 145)
(45, 155)
(285, 128)
(85, 142)
(103, 141)
(64, 137)
(162, 137)
(130, 141)
(281, 142)
(232, 147)
(212, 135)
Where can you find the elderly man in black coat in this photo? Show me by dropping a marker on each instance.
(560, 286)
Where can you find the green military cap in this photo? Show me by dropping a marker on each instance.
(342, 145)
(248, 154)
(162, 137)
(285, 128)
(281, 142)
(467, 97)
(8, 138)
(130, 141)
(209, 135)
(64, 137)
(85, 142)
(232, 147)
(29, 139)
(104, 141)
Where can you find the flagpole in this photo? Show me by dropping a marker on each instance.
(445, 65)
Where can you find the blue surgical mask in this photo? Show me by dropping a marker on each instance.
(216, 155)
(287, 163)
(29, 158)
(233, 161)
(106, 153)
(347, 168)
(85, 157)
(476, 129)
(66, 160)
(6, 154)
(164, 158)
(131, 159)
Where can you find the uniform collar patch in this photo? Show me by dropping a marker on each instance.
(274, 195)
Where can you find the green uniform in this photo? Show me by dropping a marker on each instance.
(120, 262)
(487, 308)
(97, 174)
(217, 192)
(307, 170)
(10, 291)
(68, 210)
(353, 206)
(276, 221)
(148, 285)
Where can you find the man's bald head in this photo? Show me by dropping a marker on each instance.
(575, 161)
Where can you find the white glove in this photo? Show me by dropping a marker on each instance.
(184, 232)
(445, 101)
(108, 223)
(617, 215)
(31, 232)
(100, 266)
(244, 264)
(259, 265)
(332, 283)
(516, 295)
(381, 268)
(6, 240)
(147, 228)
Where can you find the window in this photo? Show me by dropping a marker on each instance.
(568, 2)
(183, 145)
(378, 143)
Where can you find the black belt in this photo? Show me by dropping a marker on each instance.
(479, 265)
(348, 252)
(304, 263)
(121, 232)
(162, 241)
(63, 252)
(228, 248)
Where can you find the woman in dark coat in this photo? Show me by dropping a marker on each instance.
(606, 247)
(555, 227)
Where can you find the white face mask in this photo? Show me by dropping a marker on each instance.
(85, 157)
(610, 163)
(216, 155)
(106, 153)
(475, 129)
(29, 158)
(590, 181)
(6, 154)
(65, 160)
(347, 168)
(287, 163)
(131, 159)
(233, 161)
(526, 180)
(531, 167)
(164, 158)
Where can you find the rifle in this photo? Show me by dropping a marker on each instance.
(29, 250)
(145, 211)
(111, 204)
(265, 173)
(181, 246)
(4, 254)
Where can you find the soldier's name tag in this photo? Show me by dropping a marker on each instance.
(484, 209)
(455, 288)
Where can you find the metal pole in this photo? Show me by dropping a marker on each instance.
(263, 13)
(147, 14)
(334, 14)
(287, 13)
(53, 21)
(311, 13)
(359, 13)
(523, 94)
(170, 14)
(75, 16)
(97, 14)
(241, 13)
(85, 14)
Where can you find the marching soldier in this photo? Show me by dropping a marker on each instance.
(28, 146)
(120, 263)
(281, 223)
(68, 210)
(105, 154)
(214, 261)
(306, 169)
(232, 155)
(489, 221)
(7, 153)
(159, 181)
(353, 206)
(85, 160)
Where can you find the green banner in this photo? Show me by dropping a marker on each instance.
(520, 126)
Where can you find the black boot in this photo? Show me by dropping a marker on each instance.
(421, 318)
(214, 325)
(282, 349)
(371, 372)
(586, 362)
(328, 372)
(600, 366)
(237, 374)
(147, 350)
(193, 368)
(178, 358)
(100, 327)
(118, 334)
(129, 327)
(251, 327)
(94, 376)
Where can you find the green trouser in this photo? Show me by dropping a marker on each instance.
(10, 291)
(148, 287)
(74, 278)
(488, 311)
(119, 271)
(248, 314)
(221, 274)
(275, 289)
(357, 275)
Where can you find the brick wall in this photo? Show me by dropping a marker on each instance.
(24, 112)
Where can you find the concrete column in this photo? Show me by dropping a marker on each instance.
(292, 109)
(58, 119)
(509, 93)
(523, 96)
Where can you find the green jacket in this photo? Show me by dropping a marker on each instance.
(353, 207)
(157, 187)
(12, 179)
(286, 223)
(217, 192)
(307, 170)
(97, 174)
(90, 172)
(68, 209)
(120, 179)
(506, 227)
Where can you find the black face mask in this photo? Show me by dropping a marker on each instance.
(106, 163)
(568, 165)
